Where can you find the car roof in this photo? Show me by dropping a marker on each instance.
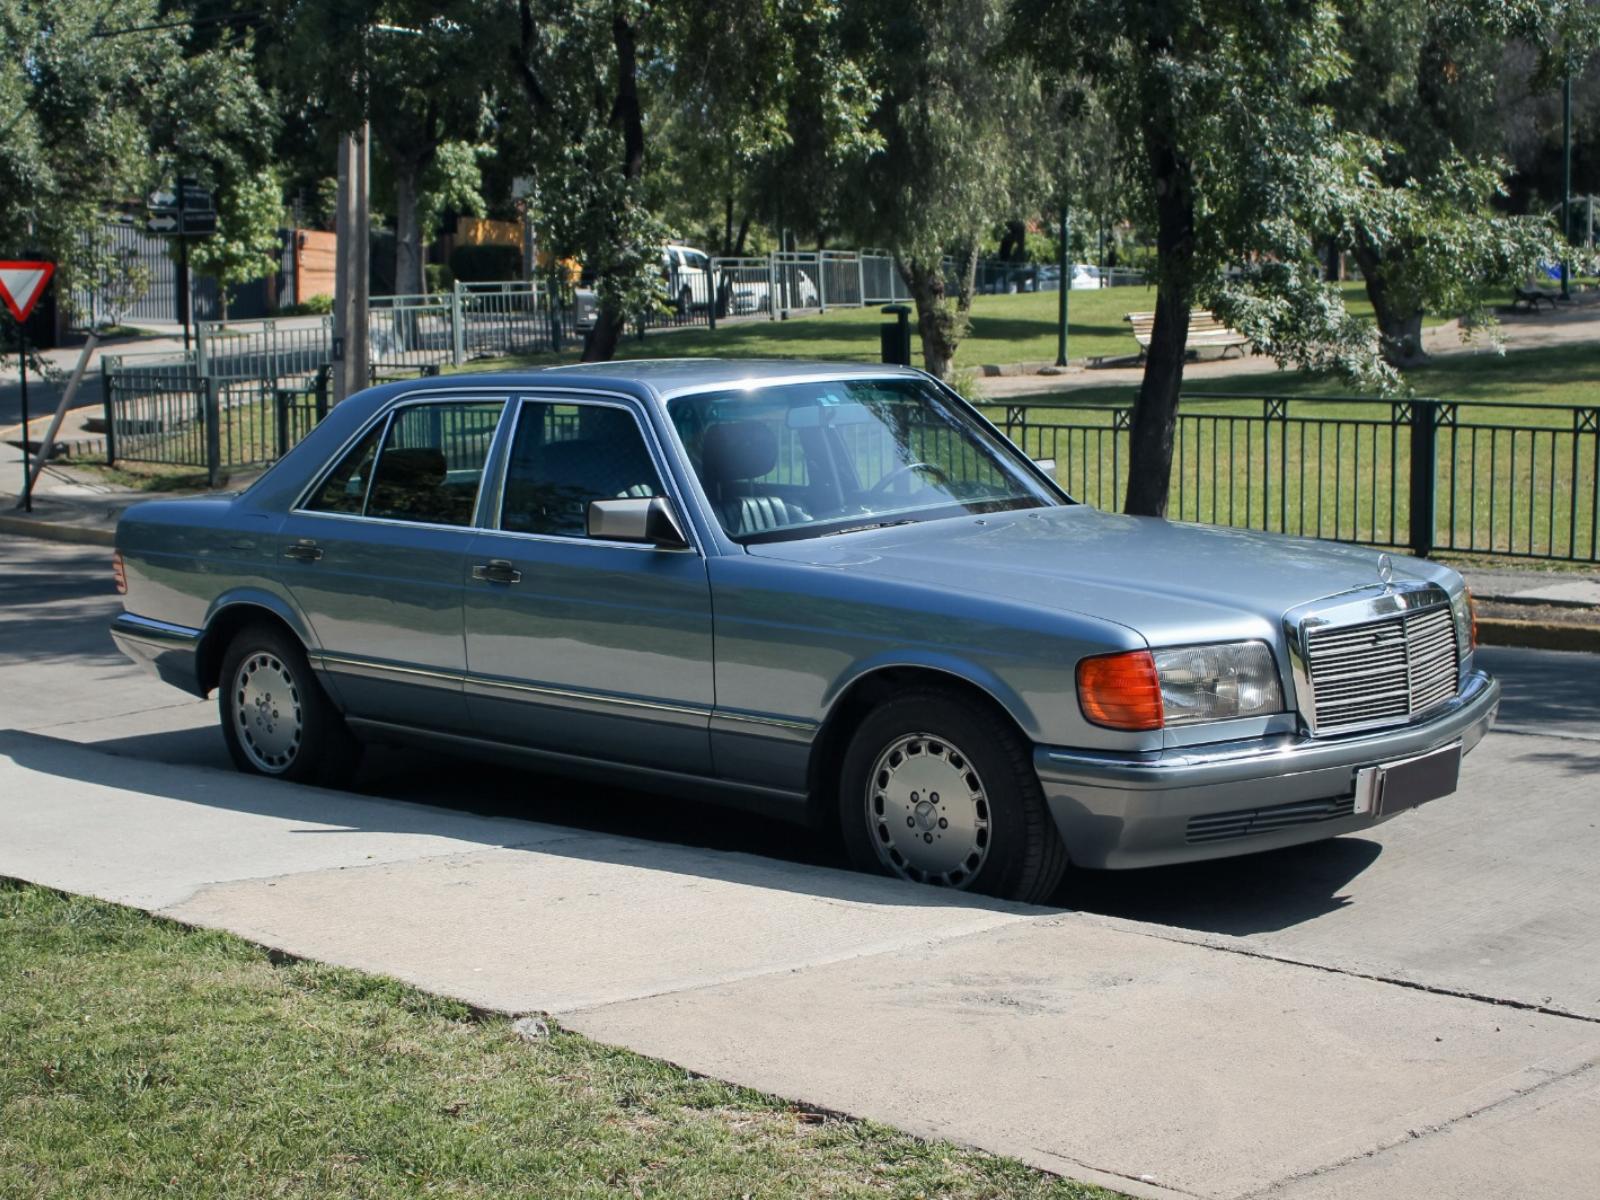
(668, 377)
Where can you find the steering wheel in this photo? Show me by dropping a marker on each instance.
(884, 484)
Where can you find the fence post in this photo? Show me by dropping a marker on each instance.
(213, 431)
(281, 403)
(1424, 473)
(822, 286)
(772, 286)
(458, 335)
(111, 424)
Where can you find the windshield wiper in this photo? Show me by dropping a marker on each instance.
(873, 525)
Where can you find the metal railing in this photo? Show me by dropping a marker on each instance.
(1516, 480)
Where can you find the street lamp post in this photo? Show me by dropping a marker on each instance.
(1066, 287)
(1566, 188)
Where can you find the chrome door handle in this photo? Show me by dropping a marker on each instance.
(497, 570)
(303, 551)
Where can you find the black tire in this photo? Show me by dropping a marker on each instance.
(1008, 846)
(293, 730)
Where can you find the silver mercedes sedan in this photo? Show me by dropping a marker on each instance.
(832, 593)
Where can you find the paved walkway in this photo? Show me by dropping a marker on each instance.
(1414, 1012)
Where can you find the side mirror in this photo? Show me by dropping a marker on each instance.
(651, 522)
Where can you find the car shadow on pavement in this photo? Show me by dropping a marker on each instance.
(1250, 894)
(1254, 893)
(493, 807)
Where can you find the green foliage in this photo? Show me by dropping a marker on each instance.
(87, 121)
(247, 243)
(453, 182)
(319, 305)
(440, 277)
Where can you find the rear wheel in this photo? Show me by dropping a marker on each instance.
(937, 789)
(276, 719)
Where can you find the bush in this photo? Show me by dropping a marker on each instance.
(439, 276)
(319, 305)
(485, 264)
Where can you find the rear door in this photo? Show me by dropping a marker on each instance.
(375, 557)
(581, 646)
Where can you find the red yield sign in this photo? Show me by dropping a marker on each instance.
(22, 283)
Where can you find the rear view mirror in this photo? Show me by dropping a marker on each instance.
(651, 522)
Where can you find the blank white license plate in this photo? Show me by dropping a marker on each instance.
(1389, 788)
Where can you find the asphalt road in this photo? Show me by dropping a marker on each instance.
(1410, 1012)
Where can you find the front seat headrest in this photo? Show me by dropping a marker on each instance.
(738, 450)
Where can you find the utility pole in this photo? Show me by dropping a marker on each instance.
(1566, 188)
(1066, 288)
(351, 267)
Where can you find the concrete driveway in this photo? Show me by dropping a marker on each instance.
(1413, 1012)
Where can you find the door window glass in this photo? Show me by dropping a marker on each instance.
(565, 455)
(431, 464)
(345, 489)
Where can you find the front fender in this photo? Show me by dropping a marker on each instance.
(958, 667)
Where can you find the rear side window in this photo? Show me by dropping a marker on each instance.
(345, 490)
(428, 467)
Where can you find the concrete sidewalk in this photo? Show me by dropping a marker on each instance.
(1133, 1055)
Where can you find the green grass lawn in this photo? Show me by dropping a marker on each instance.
(138, 1058)
(1005, 329)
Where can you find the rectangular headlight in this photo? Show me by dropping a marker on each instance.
(1217, 683)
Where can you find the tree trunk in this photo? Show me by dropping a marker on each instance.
(937, 322)
(408, 277)
(601, 344)
(1399, 324)
(1155, 412)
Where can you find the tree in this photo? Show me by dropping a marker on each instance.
(594, 73)
(1236, 169)
(246, 245)
(97, 105)
(1424, 79)
(414, 71)
(965, 139)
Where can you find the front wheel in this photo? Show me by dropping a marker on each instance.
(939, 790)
(276, 719)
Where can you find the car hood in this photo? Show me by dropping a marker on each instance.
(1171, 582)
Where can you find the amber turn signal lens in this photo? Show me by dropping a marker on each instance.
(1472, 626)
(1121, 691)
(119, 573)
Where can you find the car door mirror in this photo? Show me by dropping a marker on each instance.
(651, 522)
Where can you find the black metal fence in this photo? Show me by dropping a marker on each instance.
(1520, 480)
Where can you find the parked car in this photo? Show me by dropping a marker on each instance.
(830, 592)
(687, 278)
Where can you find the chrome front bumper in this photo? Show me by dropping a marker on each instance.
(171, 651)
(1135, 810)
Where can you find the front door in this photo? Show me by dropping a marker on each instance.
(575, 645)
(375, 558)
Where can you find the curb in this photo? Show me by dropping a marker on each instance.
(1538, 635)
(55, 531)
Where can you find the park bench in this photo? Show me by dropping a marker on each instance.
(1529, 296)
(1206, 332)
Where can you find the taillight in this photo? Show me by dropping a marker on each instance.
(1121, 691)
(119, 573)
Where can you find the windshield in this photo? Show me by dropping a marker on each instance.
(811, 459)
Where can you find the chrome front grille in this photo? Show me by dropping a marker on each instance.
(1382, 671)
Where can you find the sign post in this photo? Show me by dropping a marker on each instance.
(21, 285)
(183, 212)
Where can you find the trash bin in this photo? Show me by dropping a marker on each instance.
(895, 336)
